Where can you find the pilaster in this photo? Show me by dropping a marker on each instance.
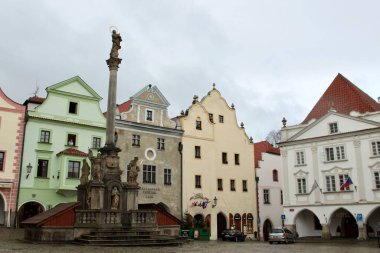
(359, 171)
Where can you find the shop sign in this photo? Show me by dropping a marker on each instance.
(249, 216)
(199, 200)
(237, 217)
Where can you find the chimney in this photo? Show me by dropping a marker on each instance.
(378, 100)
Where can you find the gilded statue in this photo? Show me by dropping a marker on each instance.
(115, 198)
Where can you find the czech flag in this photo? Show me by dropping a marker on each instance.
(346, 184)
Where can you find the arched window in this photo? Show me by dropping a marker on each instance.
(275, 176)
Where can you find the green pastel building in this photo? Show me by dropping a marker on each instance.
(60, 129)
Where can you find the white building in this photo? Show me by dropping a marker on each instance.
(340, 138)
(218, 167)
(269, 175)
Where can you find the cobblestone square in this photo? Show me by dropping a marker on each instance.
(11, 241)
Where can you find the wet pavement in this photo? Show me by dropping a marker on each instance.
(11, 241)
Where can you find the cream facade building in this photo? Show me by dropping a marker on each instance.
(219, 184)
(331, 166)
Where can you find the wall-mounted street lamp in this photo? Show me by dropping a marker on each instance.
(28, 170)
(59, 172)
(215, 202)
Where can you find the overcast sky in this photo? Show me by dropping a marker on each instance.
(270, 58)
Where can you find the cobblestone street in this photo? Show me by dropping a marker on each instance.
(10, 241)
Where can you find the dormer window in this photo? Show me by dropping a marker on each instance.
(333, 128)
(73, 107)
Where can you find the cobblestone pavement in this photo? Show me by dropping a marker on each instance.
(11, 242)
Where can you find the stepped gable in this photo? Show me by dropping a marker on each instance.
(264, 147)
(344, 97)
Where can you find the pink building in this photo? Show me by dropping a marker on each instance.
(11, 141)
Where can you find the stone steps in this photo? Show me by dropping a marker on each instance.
(128, 237)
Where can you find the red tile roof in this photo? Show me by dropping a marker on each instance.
(264, 147)
(344, 97)
(122, 107)
(73, 152)
(35, 100)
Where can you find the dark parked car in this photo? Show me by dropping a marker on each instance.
(233, 235)
(281, 235)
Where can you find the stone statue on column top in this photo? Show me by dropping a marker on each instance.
(116, 39)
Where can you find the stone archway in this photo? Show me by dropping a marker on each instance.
(267, 228)
(2, 210)
(28, 210)
(308, 224)
(198, 221)
(373, 222)
(221, 223)
(343, 224)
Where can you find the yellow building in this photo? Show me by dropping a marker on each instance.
(219, 186)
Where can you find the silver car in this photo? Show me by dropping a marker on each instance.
(281, 235)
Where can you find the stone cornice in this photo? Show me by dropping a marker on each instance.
(123, 124)
(330, 137)
(54, 118)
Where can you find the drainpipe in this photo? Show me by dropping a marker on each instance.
(20, 169)
(257, 208)
(180, 148)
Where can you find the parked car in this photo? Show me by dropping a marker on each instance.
(281, 235)
(233, 235)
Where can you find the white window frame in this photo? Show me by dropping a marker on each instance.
(330, 183)
(300, 157)
(301, 185)
(375, 148)
(266, 196)
(167, 176)
(335, 153)
(376, 179)
(333, 128)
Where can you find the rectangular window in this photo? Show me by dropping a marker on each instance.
(232, 185)
(2, 156)
(198, 181)
(300, 158)
(220, 184)
(224, 158)
(266, 196)
(96, 142)
(149, 174)
(160, 144)
(211, 117)
(342, 179)
(71, 140)
(73, 169)
(198, 125)
(197, 151)
(330, 184)
(377, 179)
(167, 176)
(45, 136)
(301, 185)
(42, 169)
(333, 128)
(136, 140)
(237, 159)
(335, 153)
(73, 107)
(245, 189)
(376, 148)
(221, 119)
(149, 115)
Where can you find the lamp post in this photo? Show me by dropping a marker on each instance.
(215, 202)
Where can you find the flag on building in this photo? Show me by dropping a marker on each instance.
(346, 184)
(315, 186)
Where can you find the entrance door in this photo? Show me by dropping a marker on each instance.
(267, 228)
(349, 226)
(2, 211)
(28, 210)
(222, 224)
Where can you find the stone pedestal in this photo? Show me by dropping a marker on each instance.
(326, 232)
(82, 196)
(132, 197)
(96, 194)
